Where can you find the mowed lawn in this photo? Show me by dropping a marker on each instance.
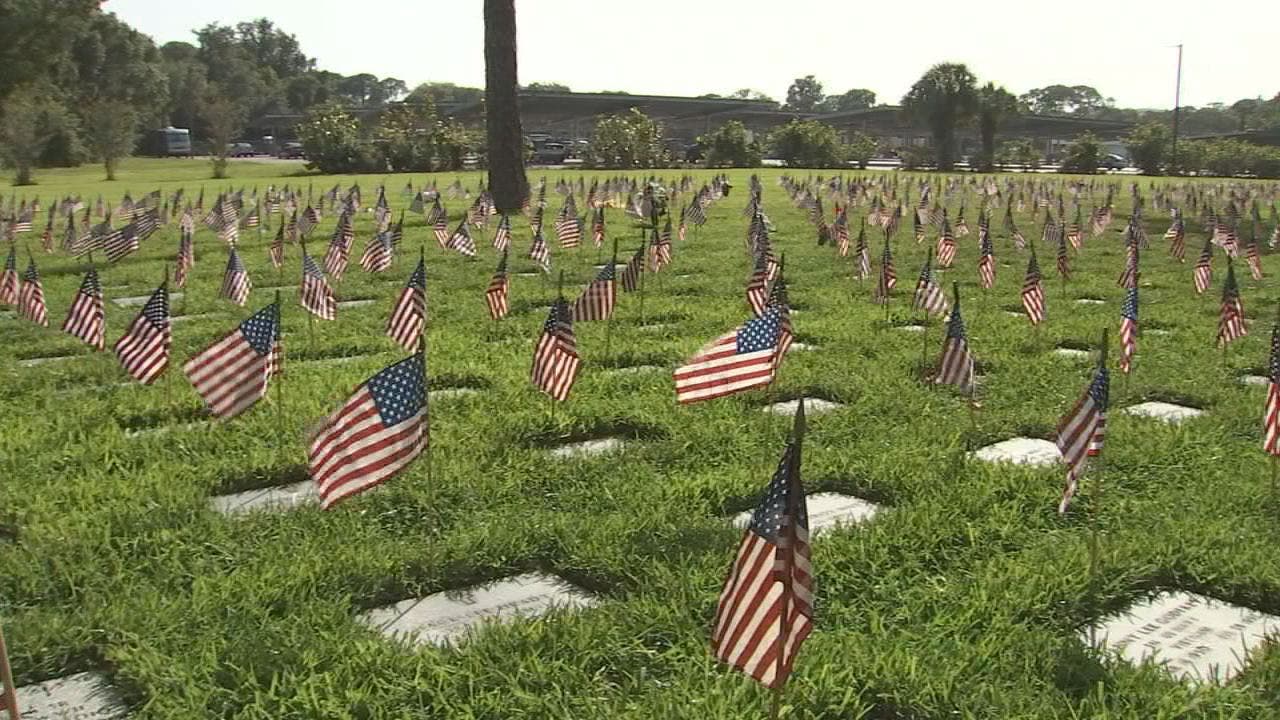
(963, 598)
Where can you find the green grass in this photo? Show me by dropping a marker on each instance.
(963, 599)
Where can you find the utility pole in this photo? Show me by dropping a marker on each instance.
(1177, 101)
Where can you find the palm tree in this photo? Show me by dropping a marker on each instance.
(942, 98)
(507, 181)
(995, 105)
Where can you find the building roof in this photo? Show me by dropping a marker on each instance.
(582, 105)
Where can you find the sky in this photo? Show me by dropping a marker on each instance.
(1124, 48)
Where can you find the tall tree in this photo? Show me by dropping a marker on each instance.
(1081, 100)
(35, 35)
(942, 98)
(223, 117)
(111, 130)
(850, 100)
(995, 105)
(804, 94)
(507, 181)
(27, 121)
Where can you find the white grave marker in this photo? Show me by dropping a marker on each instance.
(812, 406)
(588, 447)
(1197, 638)
(1020, 451)
(1072, 353)
(32, 362)
(279, 499)
(355, 303)
(1167, 412)
(447, 617)
(140, 300)
(827, 510)
(83, 696)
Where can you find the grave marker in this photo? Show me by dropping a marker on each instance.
(827, 510)
(83, 696)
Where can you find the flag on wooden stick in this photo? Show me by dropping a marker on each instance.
(86, 318)
(144, 349)
(955, 367)
(1231, 319)
(734, 362)
(31, 296)
(233, 373)
(555, 357)
(408, 318)
(1083, 429)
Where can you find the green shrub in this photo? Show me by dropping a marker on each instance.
(628, 140)
(331, 138)
(728, 146)
(1083, 155)
(807, 144)
(861, 148)
(1149, 146)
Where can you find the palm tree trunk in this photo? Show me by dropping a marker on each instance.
(507, 181)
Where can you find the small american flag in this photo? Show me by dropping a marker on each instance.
(1252, 256)
(1033, 291)
(539, 252)
(929, 296)
(780, 301)
(917, 227)
(660, 249)
(739, 360)
(1082, 431)
(377, 253)
(1176, 235)
(597, 300)
(986, 258)
(31, 297)
(946, 246)
(758, 285)
(409, 314)
(1128, 329)
(374, 435)
(863, 251)
(276, 250)
(1203, 274)
(631, 274)
(695, 214)
(232, 374)
(765, 610)
(555, 357)
(1129, 276)
(841, 226)
(955, 367)
(1231, 321)
(235, 281)
(1271, 414)
(496, 294)
(461, 240)
(315, 294)
(597, 227)
(307, 221)
(339, 251)
(86, 318)
(569, 231)
(9, 279)
(144, 349)
(502, 238)
(888, 276)
(1064, 255)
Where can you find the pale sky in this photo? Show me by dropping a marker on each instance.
(1124, 48)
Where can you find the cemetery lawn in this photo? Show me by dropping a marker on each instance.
(964, 597)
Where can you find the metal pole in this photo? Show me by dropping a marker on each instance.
(1177, 101)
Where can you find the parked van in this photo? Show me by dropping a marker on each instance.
(167, 142)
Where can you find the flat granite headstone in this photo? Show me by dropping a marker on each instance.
(802, 347)
(32, 362)
(1156, 332)
(447, 617)
(827, 510)
(588, 447)
(278, 499)
(911, 328)
(1020, 451)
(1195, 637)
(1071, 353)
(1014, 314)
(355, 303)
(140, 300)
(83, 696)
(633, 370)
(333, 360)
(448, 393)
(1090, 301)
(1255, 380)
(526, 274)
(812, 406)
(189, 318)
(163, 429)
(1167, 412)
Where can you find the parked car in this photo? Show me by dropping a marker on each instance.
(291, 151)
(240, 149)
(1113, 162)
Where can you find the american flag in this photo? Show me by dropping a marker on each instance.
(374, 435)
(1252, 257)
(186, 256)
(780, 300)
(569, 231)
(597, 300)
(695, 214)
(144, 349)
(955, 367)
(1271, 415)
(461, 240)
(962, 227)
(1082, 431)
(555, 358)
(864, 253)
(31, 297)
(1128, 329)
(1033, 291)
(917, 227)
(597, 227)
(377, 253)
(888, 276)
(736, 361)
(765, 610)
(946, 246)
(660, 249)
(119, 243)
(251, 219)
(631, 274)
(9, 279)
(929, 296)
(1129, 276)
(86, 318)
(437, 212)
(1203, 274)
(276, 249)
(339, 251)
(758, 285)
(842, 232)
(232, 374)
(1231, 321)
(1064, 256)
(539, 252)
(235, 281)
(986, 258)
(496, 294)
(1176, 235)
(502, 238)
(409, 314)
(307, 221)
(315, 294)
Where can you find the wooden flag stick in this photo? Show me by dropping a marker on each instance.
(608, 321)
(10, 693)
(279, 367)
(924, 335)
(1095, 552)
